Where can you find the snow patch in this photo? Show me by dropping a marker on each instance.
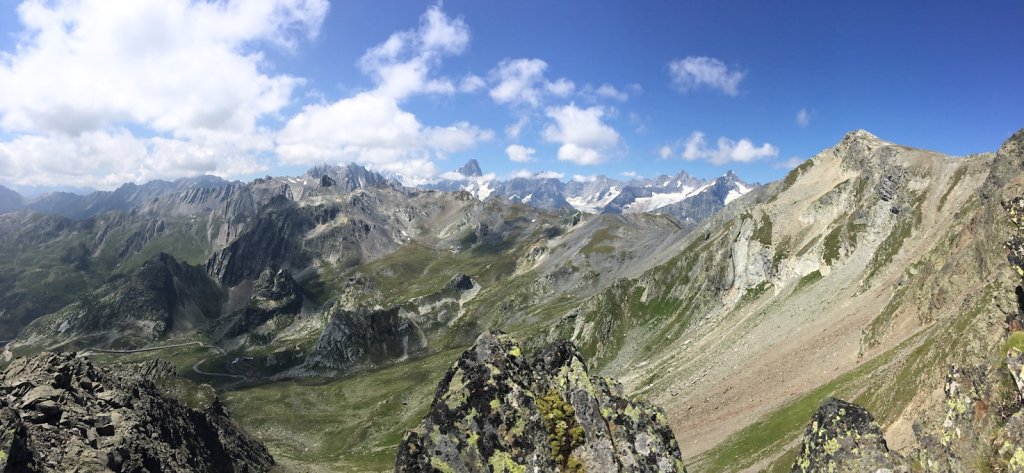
(736, 193)
(595, 202)
(659, 200)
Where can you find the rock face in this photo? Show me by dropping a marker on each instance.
(62, 413)
(844, 437)
(497, 410)
(275, 294)
(163, 295)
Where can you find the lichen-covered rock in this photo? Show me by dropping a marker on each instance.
(497, 410)
(363, 337)
(62, 413)
(1015, 363)
(947, 444)
(843, 437)
(1009, 445)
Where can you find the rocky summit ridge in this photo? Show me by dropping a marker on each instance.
(499, 410)
(62, 413)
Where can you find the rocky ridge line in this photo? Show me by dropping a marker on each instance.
(62, 413)
(498, 410)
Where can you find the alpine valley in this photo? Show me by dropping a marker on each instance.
(860, 314)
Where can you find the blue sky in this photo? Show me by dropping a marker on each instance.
(97, 92)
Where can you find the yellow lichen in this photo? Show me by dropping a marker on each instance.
(831, 446)
(441, 465)
(501, 462)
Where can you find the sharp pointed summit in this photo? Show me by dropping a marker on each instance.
(471, 169)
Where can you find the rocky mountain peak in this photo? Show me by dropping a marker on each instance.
(497, 408)
(10, 200)
(860, 135)
(471, 169)
(843, 436)
(59, 412)
(1014, 143)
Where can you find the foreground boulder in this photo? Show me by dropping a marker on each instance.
(62, 413)
(497, 410)
(843, 437)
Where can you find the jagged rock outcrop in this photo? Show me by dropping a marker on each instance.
(363, 336)
(162, 296)
(498, 410)
(275, 294)
(62, 413)
(843, 437)
(471, 169)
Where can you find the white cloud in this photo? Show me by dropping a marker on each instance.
(525, 174)
(520, 153)
(609, 91)
(581, 178)
(401, 65)
(790, 163)
(698, 71)
(106, 159)
(371, 129)
(83, 66)
(561, 87)
(512, 131)
(518, 81)
(630, 174)
(522, 82)
(83, 73)
(665, 152)
(453, 176)
(742, 151)
(471, 83)
(585, 139)
(581, 155)
(803, 117)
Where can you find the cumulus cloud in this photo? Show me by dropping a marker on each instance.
(726, 151)
(561, 87)
(513, 131)
(106, 159)
(471, 83)
(371, 129)
(585, 138)
(82, 66)
(665, 152)
(522, 82)
(401, 65)
(803, 117)
(525, 174)
(609, 91)
(518, 81)
(790, 163)
(520, 153)
(84, 73)
(699, 72)
(630, 174)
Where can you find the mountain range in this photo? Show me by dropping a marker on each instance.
(597, 194)
(874, 273)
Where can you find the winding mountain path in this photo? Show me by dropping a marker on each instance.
(195, 367)
(198, 370)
